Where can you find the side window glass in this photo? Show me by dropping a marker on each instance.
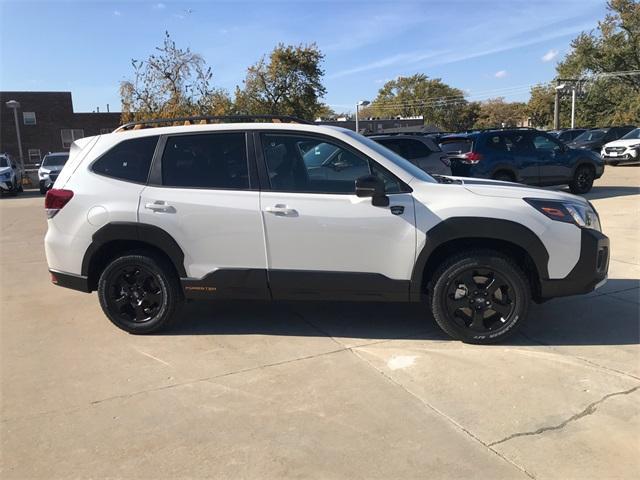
(499, 143)
(544, 143)
(416, 149)
(215, 161)
(129, 160)
(313, 165)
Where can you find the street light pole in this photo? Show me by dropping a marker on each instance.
(573, 107)
(15, 105)
(363, 103)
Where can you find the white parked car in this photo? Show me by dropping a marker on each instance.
(10, 175)
(624, 150)
(151, 216)
(48, 172)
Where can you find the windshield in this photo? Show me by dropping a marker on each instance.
(392, 156)
(55, 160)
(632, 135)
(316, 154)
(4, 162)
(590, 135)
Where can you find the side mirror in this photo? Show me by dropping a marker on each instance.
(372, 186)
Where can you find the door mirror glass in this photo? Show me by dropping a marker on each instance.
(372, 186)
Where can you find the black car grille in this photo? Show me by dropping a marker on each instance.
(614, 149)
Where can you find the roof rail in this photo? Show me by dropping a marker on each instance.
(205, 119)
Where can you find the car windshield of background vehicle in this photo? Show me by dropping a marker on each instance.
(590, 135)
(55, 160)
(393, 157)
(632, 135)
(4, 162)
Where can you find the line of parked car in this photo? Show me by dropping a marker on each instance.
(575, 157)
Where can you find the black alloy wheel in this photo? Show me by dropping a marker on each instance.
(479, 296)
(582, 180)
(140, 292)
(480, 299)
(134, 294)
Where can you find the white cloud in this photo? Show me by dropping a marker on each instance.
(500, 74)
(550, 55)
(159, 6)
(117, 13)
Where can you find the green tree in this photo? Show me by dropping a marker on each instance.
(541, 105)
(170, 83)
(438, 103)
(288, 82)
(497, 113)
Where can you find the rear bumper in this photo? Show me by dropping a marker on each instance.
(70, 280)
(589, 272)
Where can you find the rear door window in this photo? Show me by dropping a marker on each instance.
(416, 149)
(213, 161)
(129, 160)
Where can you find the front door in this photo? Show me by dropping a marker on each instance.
(322, 241)
(554, 166)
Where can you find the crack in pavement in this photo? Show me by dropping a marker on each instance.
(443, 415)
(589, 410)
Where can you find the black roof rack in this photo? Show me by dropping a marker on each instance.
(205, 119)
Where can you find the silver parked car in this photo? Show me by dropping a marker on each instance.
(420, 150)
(50, 169)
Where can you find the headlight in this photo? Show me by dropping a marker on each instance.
(637, 145)
(43, 174)
(579, 214)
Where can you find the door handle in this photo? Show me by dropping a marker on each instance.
(160, 206)
(281, 210)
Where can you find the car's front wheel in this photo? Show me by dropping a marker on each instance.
(140, 292)
(480, 296)
(582, 179)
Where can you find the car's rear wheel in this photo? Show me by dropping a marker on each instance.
(140, 292)
(582, 179)
(480, 296)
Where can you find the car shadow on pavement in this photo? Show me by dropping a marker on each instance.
(25, 194)
(586, 320)
(598, 192)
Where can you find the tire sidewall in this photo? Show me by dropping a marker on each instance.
(163, 317)
(575, 186)
(501, 266)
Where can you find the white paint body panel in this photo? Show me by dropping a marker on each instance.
(214, 228)
(340, 233)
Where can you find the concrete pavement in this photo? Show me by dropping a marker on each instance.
(252, 390)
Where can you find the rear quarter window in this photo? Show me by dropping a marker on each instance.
(458, 145)
(128, 160)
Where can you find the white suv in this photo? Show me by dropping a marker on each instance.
(151, 216)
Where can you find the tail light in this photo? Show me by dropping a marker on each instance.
(55, 201)
(446, 161)
(472, 157)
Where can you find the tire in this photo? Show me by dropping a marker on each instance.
(480, 296)
(614, 163)
(143, 302)
(43, 191)
(582, 179)
(504, 177)
(20, 188)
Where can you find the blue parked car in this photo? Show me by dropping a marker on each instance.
(522, 155)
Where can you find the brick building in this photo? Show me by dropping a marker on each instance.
(47, 124)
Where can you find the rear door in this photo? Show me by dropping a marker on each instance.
(321, 239)
(522, 154)
(201, 193)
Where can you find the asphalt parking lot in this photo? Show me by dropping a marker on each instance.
(248, 390)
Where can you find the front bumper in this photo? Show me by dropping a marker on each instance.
(589, 272)
(7, 186)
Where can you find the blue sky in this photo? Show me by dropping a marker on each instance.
(487, 48)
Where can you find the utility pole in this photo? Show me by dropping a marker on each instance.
(556, 111)
(15, 105)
